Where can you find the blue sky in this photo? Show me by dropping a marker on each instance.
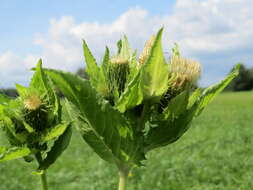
(22, 19)
(206, 30)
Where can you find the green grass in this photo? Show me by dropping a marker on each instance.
(215, 154)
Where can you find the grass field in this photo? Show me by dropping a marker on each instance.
(215, 154)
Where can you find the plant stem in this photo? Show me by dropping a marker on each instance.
(43, 176)
(124, 169)
(123, 174)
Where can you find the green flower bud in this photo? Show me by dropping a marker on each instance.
(184, 73)
(36, 111)
(118, 70)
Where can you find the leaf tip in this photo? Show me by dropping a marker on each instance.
(237, 68)
(84, 44)
(39, 64)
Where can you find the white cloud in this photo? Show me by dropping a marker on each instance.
(212, 25)
(14, 69)
(218, 33)
(62, 46)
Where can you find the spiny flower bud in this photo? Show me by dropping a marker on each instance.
(147, 49)
(118, 70)
(32, 102)
(184, 72)
(36, 112)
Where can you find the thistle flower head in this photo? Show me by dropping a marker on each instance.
(32, 102)
(184, 71)
(147, 49)
(119, 60)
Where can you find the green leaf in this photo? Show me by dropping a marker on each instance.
(28, 127)
(92, 68)
(40, 83)
(119, 45)
(97, 76)
(57, 149)
(177, 105)
(38, 79)
(103, 120)
(4, 99)
(132, 95)
(13, 153)
(165, 132)
(28, 158)
(105, 61)
(133, 67)
(42, 86)
(55, 132)
(150, 82)
(212, 91)
(125, 50)
(22, 91)
(194, 97)
(154, 80)
(16, 139)
(88, 133)
(168, 131)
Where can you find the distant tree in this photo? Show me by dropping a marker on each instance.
(251, 77)
(82, 73)
(11, 92)
(243, 82)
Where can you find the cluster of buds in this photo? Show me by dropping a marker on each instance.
(182, 71)
(33, 124)
(33, 114)
(151, 101)
(33, 121)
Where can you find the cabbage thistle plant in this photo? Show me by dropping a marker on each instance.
(132, 105)
(33, 124)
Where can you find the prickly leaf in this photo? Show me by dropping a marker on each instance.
(102, 120)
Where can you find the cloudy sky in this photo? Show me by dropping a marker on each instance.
(218, 33)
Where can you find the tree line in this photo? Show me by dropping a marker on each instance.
(243, 82)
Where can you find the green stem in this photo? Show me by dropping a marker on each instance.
(43, 176)
(123, 169)
(123, 174)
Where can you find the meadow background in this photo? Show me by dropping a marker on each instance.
(215, 154)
